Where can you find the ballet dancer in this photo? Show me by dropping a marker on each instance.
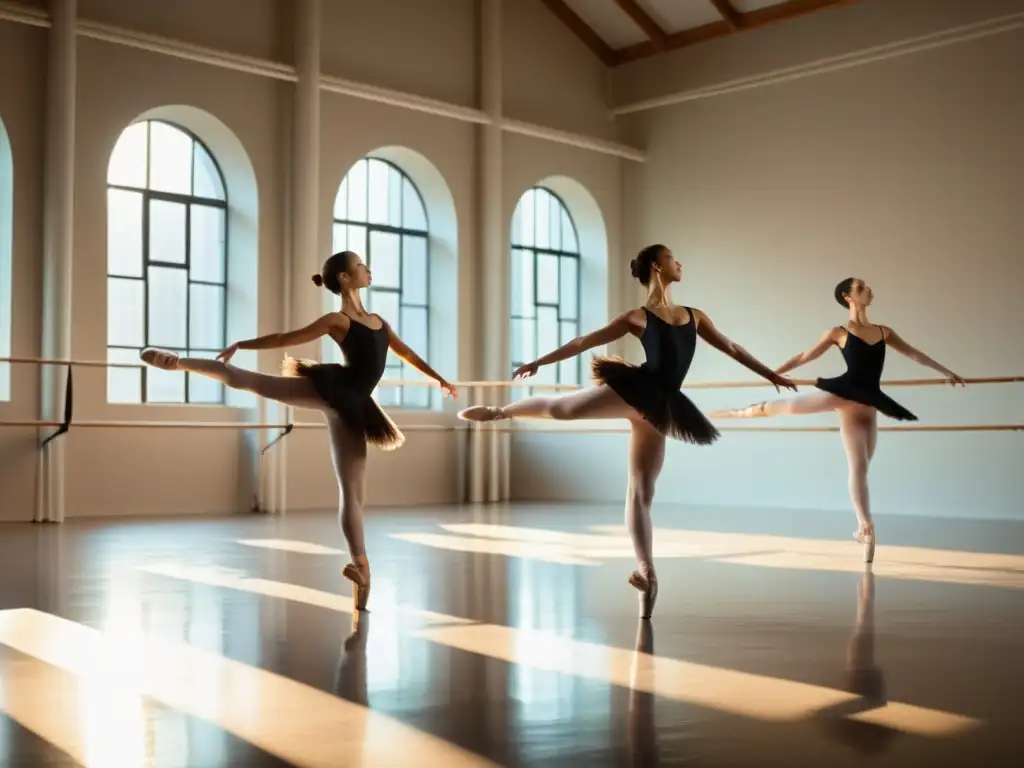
(856, 394)
(343, 393)
(647, 396)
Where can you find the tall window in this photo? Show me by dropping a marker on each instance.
(380, 215)
(166, 262)
(545, 284)
(6, 267)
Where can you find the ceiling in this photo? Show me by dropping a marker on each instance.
(620, 31)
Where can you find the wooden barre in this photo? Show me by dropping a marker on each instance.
(474, 384)
(454, 428)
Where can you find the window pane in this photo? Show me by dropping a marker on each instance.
(206, 180)
(413, 215)
(378, 202)
(414, 269)
(124, 233)
(206, 321)
(394, 198)
(168, 292)
(202, 389)
(414, 329)
(384, 263)
(170, 159)
(124, 385)
(341, 200)
(385, 304)
(522, 283)
(126, 318)
(357, 192)
(568, 234)
(542, 225)
(568, 284)
(547, 278)
(568, 370)
(208, 255)
(567, 331)
(524, 347)
(339, 240)
(166, 231)
(416, 397)
(357, 239)
(555, 223)
(165, 386)
(128, 160)
(390, 396)
(547, 329)
(526, 218)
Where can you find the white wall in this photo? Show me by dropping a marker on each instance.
(908, 173)
(424, 48)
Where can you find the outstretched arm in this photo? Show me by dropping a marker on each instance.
(813, 353)
(893, 340)
(311, 332)
(406, 354)
(616, 329)
(707, 331)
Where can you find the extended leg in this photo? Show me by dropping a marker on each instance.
(813, 402)
(646, 458)
(348, 453)
(598, 402)
(296, 391)
(857, 426)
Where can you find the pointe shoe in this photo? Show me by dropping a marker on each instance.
(755, 411)
(167, 361)
(648, 588)
(359, 574)
(481, 413)
(866, 536)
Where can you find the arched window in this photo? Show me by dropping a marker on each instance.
(379, 214)
(6, 266)
(545, 284)
(166, 261)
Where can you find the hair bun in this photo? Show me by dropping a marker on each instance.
(632, 267)
(317, 280)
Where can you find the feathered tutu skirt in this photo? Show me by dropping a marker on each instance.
(873, 396)
(668, 410)
(356, 408)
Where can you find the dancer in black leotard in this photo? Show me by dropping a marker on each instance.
(856, 394)
(647, 395)
(343, 393)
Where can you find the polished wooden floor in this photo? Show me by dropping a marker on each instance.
(508, 636)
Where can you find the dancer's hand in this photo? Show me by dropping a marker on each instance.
(953, 380)
(447, 389)
(782, 381)
(227, 354)
(525, 371)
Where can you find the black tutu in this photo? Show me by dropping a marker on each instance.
(357, 409)
(865, 395)
(668, 410)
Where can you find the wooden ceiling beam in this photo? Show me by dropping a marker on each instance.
(762, 17)
(730, 15)
(579, 27)
(655, 34)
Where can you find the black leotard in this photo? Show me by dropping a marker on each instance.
(652, 388)
(348, 388)
(860, 383)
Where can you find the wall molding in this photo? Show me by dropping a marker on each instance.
(952, 36)
(166, 46)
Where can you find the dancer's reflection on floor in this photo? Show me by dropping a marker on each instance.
(351, 679)
(863, 678)
(643, 733)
